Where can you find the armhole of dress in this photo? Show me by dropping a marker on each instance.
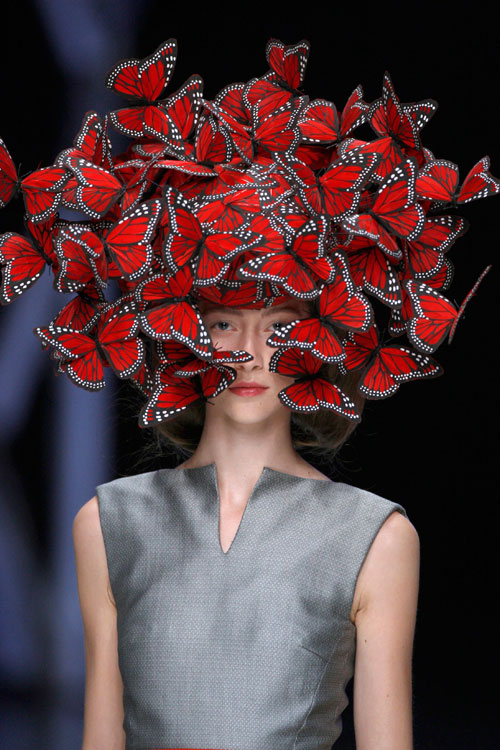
(110, 591)
(394, 507)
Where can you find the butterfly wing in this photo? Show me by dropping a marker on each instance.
(85, 367)
(8, 176)
(437, 181)
(433, 318)
(129, 240)
(116, 332)
(22, 264)
(170, 395)
(479, 183)
(288, 62)
(97, 189)
(42, 192)
(393, 365)
(313, 334)
(146, 79)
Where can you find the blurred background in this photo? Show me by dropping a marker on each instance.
(431, 447)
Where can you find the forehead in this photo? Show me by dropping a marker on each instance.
(292, 305)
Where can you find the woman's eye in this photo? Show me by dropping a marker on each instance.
(220, 325)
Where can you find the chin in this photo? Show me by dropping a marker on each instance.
(251, 410)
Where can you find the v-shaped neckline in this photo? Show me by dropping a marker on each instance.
(265, 471)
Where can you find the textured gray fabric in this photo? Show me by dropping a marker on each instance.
(245, 650)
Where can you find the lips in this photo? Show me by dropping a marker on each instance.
(248, 389)
(250, 384)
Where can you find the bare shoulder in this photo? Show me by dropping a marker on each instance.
(396, 535)
(86, 521)
(87, 531)
(391, 564)
(90, 553)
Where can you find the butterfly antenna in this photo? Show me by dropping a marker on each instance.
(471, 294)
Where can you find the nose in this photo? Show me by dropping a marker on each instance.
(251, 342)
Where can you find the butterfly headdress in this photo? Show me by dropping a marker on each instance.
(256, 196)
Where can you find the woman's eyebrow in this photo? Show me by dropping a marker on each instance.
(239, 311)
(281, 309)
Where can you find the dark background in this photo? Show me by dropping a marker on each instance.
(432, 447)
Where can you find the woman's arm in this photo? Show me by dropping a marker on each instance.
(385, 626)
(103, 717)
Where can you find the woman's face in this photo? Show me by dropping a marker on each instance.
(237, 328)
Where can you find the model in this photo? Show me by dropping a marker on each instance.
(268, 267)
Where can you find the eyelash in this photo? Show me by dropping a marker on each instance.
(278, 322)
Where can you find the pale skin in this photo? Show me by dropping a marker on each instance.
(242, 435)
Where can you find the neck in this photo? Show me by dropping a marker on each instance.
(240, 451)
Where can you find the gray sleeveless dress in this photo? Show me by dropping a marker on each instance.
(245, 650)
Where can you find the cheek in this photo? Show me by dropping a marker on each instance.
(277, 381)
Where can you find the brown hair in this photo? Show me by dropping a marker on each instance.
(321, 434)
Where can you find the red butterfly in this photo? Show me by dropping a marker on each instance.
(398, 127)
(438, 181)
(188, 364)
(24, 259)
(219, 358)
(270, 133)
(228, 212)
(171, 351)
(386, 150)
(42, 192)
(82, 312)
(440, 280)
(171, 394)
(372, 270)
(143, 81)
(320, 121)
(232, 291)
(82, 260)
(188, 241)
(213, 143)
(393, 211)
(9, 181)
(262, 91)
(143, 380)
(384, 367)
(225, 178)
(424, 256)
(287, 62)
(402, 122)
(96, 190)
(173, 316)
(236, 103)
(296, 267)
(435, 316)
(91, 143)
(114, 343)
(136, 181)
(173, 121)
(129, 240)
(337, 191)
(309, 393)
(213, 146)
(340, 304)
